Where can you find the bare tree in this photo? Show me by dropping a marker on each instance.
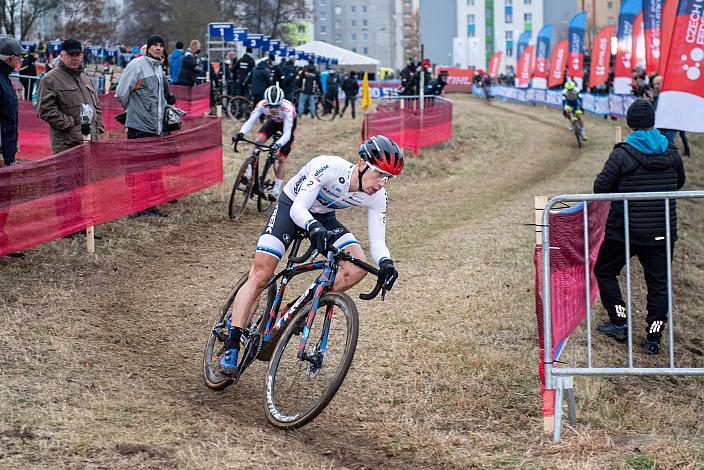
(87, 20)
(142, 18)
(268, 16)
(24, 13)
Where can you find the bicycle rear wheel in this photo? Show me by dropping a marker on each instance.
(241, 189)
(577, 133)
(325, 109)
(218, 335)
(298, 390)
(266, 185)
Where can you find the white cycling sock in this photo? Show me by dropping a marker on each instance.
(277, 185)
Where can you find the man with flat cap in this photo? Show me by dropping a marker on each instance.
(11, 52)
(645, 162)
(68, 102)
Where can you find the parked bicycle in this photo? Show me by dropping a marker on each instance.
(324, 108)
(309, 344)
(249, 182)
(240, 107)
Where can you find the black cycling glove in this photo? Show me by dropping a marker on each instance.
(237, 137)
(387, 272)
(276, 147)
(318, 236)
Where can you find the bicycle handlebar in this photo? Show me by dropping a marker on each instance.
(343, 255)
(256, 144)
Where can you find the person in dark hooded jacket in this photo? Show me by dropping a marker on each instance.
(260, 80)
(645, 162)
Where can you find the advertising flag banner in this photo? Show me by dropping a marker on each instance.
(557, 64)
(366, 97)
(624, 56)
(523, 41)
(669, 16)
(575, 36)
(652, 23)
(542, 49)
(681, 101)
(601, 56)
(495, 64)
(525, 67)
(639, 42)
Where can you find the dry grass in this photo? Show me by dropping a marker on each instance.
(100, 357)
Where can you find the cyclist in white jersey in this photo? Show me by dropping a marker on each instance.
(280, 116)
(309, 201)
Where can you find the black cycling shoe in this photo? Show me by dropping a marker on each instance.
(617, 332)
(650, 347)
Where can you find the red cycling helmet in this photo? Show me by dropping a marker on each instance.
(382, 154)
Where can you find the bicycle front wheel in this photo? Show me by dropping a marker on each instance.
(242, 189)
(577, 133)
(297, 390)
(266, 184)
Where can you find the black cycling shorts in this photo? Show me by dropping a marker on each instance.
(280, 230)
(270, 127)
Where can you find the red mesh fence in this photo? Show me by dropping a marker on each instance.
(411, 127)
(100, 181)
(568, 286)
(35, 142)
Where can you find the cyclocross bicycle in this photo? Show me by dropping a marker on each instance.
(310, 343)
(249, 182)
(576, 128)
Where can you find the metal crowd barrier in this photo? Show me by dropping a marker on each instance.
(560, 378)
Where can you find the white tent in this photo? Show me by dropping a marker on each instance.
(346, 60)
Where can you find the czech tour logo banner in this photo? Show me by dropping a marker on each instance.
(523, 41)
(495, 64)
(652, 22)
(601, 56)
(575, 36)
(542, 49)
(624, 56)
(639, 42)
(557, 64)
(525, 67)
(681, 102)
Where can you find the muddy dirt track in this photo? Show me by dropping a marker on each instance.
(100, 358)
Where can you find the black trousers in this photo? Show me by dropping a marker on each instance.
(610, 263)
(349, 100)
(137, 134)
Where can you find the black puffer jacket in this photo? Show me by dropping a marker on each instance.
(627, 171)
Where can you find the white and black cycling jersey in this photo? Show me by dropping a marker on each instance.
(322, 186)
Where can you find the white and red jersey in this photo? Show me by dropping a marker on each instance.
(285, 114)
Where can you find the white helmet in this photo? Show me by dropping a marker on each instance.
(273, 95)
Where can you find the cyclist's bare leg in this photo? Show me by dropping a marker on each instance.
(349, 275)
(245, 303)
(260, 138)
(281, 170)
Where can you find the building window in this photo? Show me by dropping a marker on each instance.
(338, 38)
(509, 35)
(323, 16)
(610, 5)
(509, 17)
(366, 50)
(338, 11)
(471, 29)
(364, 8)
(353, 23)
(353, 9)
(365, 36)
(302, 29)
(528, 18)
(470, 19)
(508, 3)
(354, 37)
(323, 29)
(323, 3)
(470, 3)
(610, 20)
(354, 49)
(527, 2)
(364, 24)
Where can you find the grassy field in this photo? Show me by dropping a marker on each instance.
(100, 358)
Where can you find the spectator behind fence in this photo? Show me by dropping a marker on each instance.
(28, 69)
(259, 80)
(143, 92)
(332, 90)
(646, 161)
(243, 67)
(309, 83)
(63, 93)
(288, 83)
(435, 86)
(351, 88)
(11, 53)
(175, 61)
(191, 68)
